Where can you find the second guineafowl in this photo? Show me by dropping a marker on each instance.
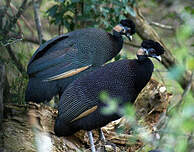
(80, 106)
(61, 60)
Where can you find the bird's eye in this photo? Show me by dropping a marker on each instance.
(151, 50)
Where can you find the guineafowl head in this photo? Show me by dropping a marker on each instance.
(126, 27)
(150, 48)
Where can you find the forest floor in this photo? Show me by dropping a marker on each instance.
(28, 127)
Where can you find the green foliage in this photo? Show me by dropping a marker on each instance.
(129, 112)
(178, 133)
(189, 9)
(174, 137)
(185, 60)
(17, 82)
(75, 14)
(112, 103)
(17, 90)
(180, 128)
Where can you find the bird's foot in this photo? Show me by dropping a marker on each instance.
(104, 141)
(93, 149)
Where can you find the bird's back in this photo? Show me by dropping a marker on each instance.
(118, 79)
(92, 44)
(76, 49)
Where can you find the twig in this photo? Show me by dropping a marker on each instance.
(164, 118)
(31, 40)
(37, 20)
(2, 79)
(191, 136)
(190, 140)
(15, 18)
(16, 61)
(145, 31)
(162, 122)
(167, 27)
(24, 20)
(4, 11)
(18, 23)
(186, 90)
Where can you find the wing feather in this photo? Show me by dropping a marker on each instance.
(59, 61)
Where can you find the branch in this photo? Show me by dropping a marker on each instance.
(4, 11)
(15, 18)
(186, 90)
(23, 18)
(16, 61)
(165, 117)
(31, 40)
(18, 23)
(37, 20)
(167, 27)
(7, 29)
(2, 79)
(145, 31)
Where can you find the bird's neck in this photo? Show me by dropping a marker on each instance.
(117, 34)
(142, 58)
(118, 38)
(144, 72)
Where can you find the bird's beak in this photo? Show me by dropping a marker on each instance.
(129, 37)
(157, 57)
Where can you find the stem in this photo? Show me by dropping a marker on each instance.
(2, 79)
(167, 27)
(16, 61)
(15, 18)
(37, 21)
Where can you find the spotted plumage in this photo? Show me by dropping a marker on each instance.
(55, 64)
(122, 80)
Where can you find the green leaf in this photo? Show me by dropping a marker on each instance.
(52, 11)
(111, 103)
(184, 32)
(188, 125)
(189, 9)
(130, 11)
(190, 63)
(75, 1)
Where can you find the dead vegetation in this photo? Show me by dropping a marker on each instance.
(19, 132)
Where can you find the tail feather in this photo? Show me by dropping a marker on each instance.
(64, 129)
(40, 91)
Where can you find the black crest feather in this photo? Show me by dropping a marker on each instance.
(128, 23)
(148, 44)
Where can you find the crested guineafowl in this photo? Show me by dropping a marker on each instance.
(59, 61)
(80, 106)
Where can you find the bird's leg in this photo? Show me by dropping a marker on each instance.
(101, 135)
(91, 141)
(102, 138)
